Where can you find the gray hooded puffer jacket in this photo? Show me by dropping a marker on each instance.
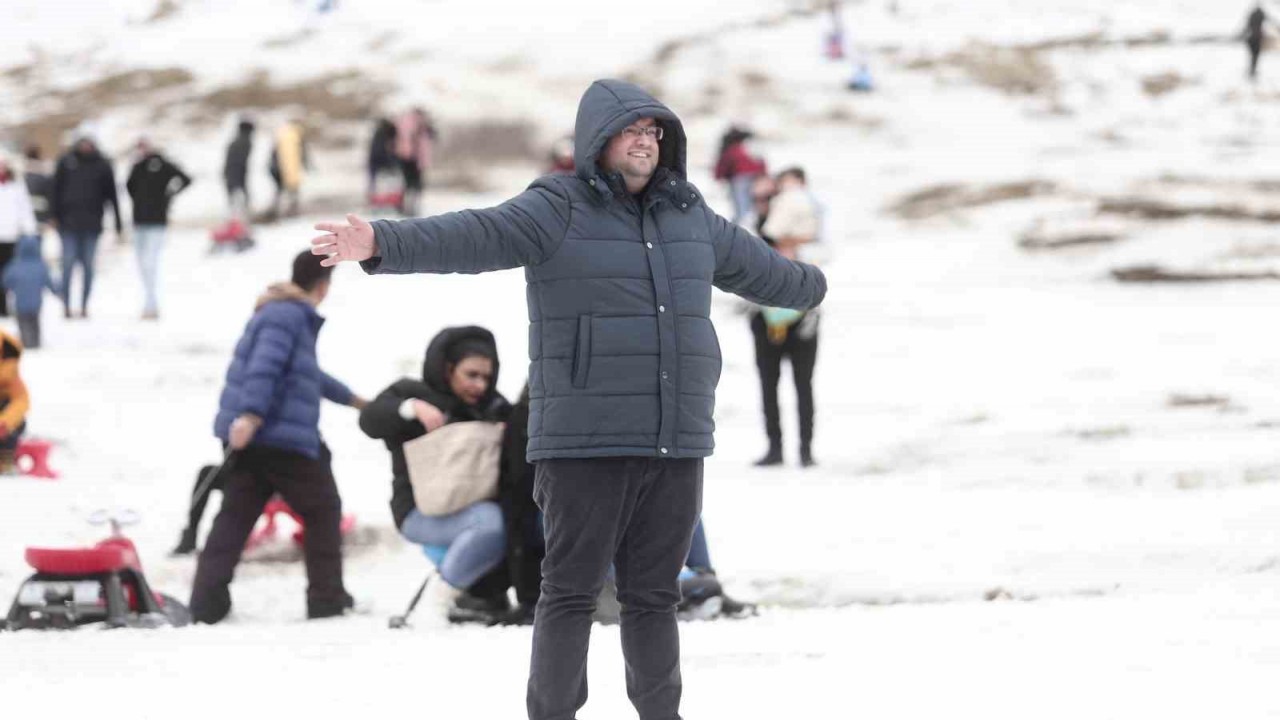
(623, 357)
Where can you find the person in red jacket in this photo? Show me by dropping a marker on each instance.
(737, 166)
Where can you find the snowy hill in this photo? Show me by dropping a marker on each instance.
(1048, 480)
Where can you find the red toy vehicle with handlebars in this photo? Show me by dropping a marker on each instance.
(100, 584)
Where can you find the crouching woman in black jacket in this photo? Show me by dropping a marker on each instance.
(459, 381)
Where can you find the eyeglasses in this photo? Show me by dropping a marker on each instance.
(633, 132)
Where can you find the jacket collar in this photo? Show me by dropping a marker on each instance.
(666, 186)
(288, 292)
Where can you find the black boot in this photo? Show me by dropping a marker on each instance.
(806, 456)
(186, 544)
(773, 457)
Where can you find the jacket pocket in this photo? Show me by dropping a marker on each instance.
(582, 352)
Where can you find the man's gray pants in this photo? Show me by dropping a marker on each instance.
(639, 514)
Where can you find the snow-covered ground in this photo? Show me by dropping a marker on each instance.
(1041, 491)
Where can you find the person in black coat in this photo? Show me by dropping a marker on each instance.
(153, 182)
(235, 172)
(83, 184)
(525, 545)
(382, 152)
(459, 383)
(39, 185)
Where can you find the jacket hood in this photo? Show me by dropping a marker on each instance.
(28, 248)
(434, 362)
(606, 108)
(92, 153)
(282, 291)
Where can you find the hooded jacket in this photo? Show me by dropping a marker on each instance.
(83, 184)
(381, 420)
(624, 359)
(27, 276)
(153, 182)
(274, 374)
(14, 400)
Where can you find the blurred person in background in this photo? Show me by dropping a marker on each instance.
(235, 170)
(39, 182)
(793, 219)
(14, 402)
(27, 277)
(763, 189)
(737, 166)
(562, 156)
(153, 183)
(414, 144)
(1255, 37)
(382, 153)
(17, 219)
(83, 184)
(288, 165)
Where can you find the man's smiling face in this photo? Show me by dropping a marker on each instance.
(633, 153)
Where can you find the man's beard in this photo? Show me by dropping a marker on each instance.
(639, 170)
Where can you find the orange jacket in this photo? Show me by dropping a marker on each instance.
(13, 392)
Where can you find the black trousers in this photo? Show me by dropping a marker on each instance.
(804, 356)
(1255, 52)
(195, 513)
(6, 254)
(639, 514)
(309, 488)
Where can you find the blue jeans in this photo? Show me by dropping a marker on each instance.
(78, 247)
(699, 556)
(740, 190)
(149, 239)
(476, 537)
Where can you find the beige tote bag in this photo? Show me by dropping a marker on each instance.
(454, 466)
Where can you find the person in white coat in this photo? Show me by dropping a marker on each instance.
(16, 218)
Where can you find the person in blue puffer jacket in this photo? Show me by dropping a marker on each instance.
(27, 277)
(268, 418)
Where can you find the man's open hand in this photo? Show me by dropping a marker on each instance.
(352, 240)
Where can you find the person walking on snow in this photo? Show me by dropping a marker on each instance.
(17, 219)
(268, 416)
(27, 277)
(39, 185)
(235, 171)
(1255, 37)
(289, 163)
(620, 259)
(153, 183)
(83, 184)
